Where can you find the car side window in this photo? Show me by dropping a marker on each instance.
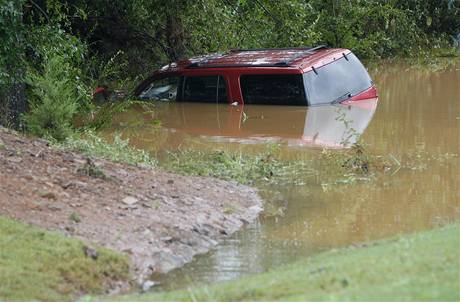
(164, 89)
(273, 89)
(204, 89)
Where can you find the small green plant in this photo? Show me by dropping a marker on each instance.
(346, 166)
(92, 170)
(229, 209)
(74, 217)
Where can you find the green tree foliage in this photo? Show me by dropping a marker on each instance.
(370, 28)
(12, 47)
(249, 24)
(12, 40)
(433, 16)
(151, 33)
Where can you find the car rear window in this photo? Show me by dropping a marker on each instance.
(273, 89)
(204, 89)
(336, 81)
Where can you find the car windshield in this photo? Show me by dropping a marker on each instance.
(336, 81)
(164, 89)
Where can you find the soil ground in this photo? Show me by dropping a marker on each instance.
(161, 220)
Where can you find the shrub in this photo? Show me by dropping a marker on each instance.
(54, 103)
(57, 90)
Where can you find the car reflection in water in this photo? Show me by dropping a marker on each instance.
(331, 126)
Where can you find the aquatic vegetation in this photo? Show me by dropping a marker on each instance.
(353, 164)
(328, 168)
(266, 167)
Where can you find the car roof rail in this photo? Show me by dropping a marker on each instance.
(304, 52)
(198, 65)
(307, 48)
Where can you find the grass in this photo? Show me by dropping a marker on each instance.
(119, 150)
(37, 265)
(345, 166)
(332, 169)
(268, 167)
(417, 267)
(224, 165)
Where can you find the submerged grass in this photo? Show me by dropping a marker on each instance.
(338, 166)
(37, 265)
(224, 165)
(417, 267)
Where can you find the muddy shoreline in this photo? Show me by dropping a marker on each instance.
(159, 219)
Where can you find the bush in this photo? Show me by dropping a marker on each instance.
(54, 103)
(57, 91)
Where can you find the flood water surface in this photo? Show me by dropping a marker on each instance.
(416, 119)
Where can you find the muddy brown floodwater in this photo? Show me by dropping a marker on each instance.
(417, 114)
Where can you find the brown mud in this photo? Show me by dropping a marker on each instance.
(161, 220)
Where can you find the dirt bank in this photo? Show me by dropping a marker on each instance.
(161, 220)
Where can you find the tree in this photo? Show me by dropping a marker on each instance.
(12, 52)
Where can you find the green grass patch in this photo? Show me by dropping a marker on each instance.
(417, 267)
(119, 150)
(37, 265)
(224, 165)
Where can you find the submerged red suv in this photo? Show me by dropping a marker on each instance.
(283, 76)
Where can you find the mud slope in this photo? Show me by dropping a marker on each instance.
(161, 220)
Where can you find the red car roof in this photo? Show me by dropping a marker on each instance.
(302, 58)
